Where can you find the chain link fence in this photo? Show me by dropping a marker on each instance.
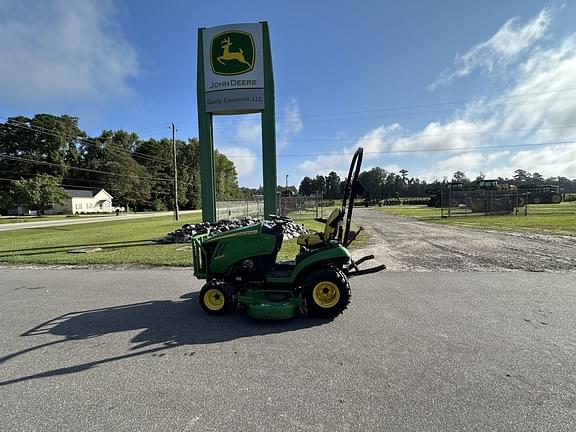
(295, 207)
(500, 202)
(232, 209)
(303, 207)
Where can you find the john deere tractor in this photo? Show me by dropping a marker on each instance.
(241, 271)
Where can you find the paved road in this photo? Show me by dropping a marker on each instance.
(85, 220)
(225, 209)
(128, 350)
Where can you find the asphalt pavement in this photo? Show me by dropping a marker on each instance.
(131, 350)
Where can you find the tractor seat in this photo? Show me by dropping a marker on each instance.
(330, 230)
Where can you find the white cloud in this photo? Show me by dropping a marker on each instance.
(470, 163)
(548, 161)
(291, 124)
(63, 50)
(244, 160)
(537, 107)
(374, 143)
(503, 48)
(456, 134)
(249, 131)
(378, 140)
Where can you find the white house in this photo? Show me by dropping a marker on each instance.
(85, 201)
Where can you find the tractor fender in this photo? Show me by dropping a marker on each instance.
(324, 257)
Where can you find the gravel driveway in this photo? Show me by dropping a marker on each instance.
(407, 244)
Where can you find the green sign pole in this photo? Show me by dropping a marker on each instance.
(206, 141)
(268, 128)
(236, 77)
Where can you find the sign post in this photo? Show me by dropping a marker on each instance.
(235, 77)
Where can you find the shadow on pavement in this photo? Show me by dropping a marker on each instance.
(164, 325)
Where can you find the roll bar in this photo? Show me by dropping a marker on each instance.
(350, 191)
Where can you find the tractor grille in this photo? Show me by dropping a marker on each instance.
(199, 256)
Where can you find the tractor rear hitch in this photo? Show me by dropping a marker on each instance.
(357, 272)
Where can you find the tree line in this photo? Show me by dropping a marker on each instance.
(380, 184)
(137, 173)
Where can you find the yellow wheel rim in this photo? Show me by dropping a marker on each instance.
(214, 299)
(326, 294)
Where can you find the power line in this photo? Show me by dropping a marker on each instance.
(62, 184)
(73, 179)
(25, 160)
(421, 150)
(113, 150)
(390, 110)
(52, 132)
(494, 102)
(419, 136)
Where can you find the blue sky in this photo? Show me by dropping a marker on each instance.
(431, 87)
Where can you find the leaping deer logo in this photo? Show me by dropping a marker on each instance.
(231, 55)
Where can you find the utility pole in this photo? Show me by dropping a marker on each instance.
(175, 172)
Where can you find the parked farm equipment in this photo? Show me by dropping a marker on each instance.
(241, 271)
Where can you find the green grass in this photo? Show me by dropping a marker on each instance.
(289, 247)
(417, 212)
(21, 219)
(546, 218)
(122, 242)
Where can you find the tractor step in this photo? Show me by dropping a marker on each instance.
(280, 274)
(282, 270)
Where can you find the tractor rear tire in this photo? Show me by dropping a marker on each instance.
(327, 293)
(216, 299)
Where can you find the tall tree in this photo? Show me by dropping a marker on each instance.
(320, 184)
(127, 181)
(374, 182)
(521, 177)
(39, 192)
(42, 144)
(459, 176)
(537, 178)
(333, 185)
(404, 175)
(306, 186)
(226, 177)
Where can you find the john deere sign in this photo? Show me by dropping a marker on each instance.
(235, 77)
(232, 53)
(233, 69)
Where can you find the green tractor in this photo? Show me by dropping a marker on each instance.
(241, 271)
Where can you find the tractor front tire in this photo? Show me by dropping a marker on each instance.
(327, 293)
(215, 299)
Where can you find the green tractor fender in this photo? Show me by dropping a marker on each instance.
(333, 255)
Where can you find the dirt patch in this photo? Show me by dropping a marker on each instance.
(405, 244)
